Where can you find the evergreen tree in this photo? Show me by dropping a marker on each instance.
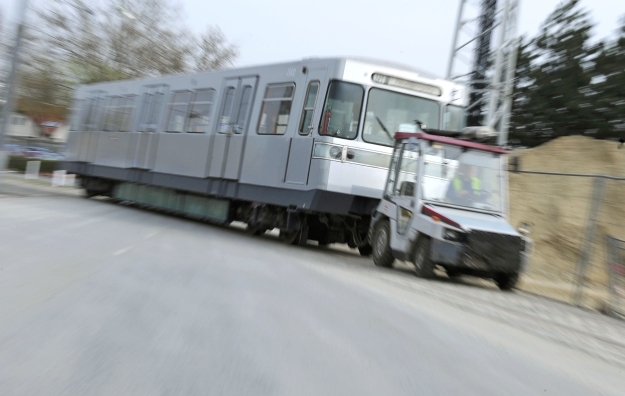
(554, 96)
(610, 71)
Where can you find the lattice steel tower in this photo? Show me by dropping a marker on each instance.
(488, 72)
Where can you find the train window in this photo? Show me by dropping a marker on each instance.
(245, 105)
(200, 111)
(226, 111)
(274, 115)
(389, 112)
(75, 114)
(118, 114)
(110, 114)
(341, 112)
(151, 107)
(454, 118)
(94, 108)
(126, 113)
(178, 111)
(306, 125)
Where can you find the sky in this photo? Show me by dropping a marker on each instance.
(412, 32)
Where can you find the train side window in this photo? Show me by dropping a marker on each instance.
(245, 105)
(110, 114)
(226, 111)
(201, 107)
(341, 112)
(151, 106)
(178, 111)
(126, 113)
(75, 115)
(94, 108)
(274, 115)
(145, 109)
(306, 124)
(87, 113)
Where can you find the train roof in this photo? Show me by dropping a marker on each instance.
(371, 61)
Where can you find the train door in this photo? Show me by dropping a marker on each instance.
(232, 127)
(150, 113)
(301, 144)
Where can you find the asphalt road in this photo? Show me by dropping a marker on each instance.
(98, 298)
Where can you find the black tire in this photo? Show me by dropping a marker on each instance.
(423, 264)
(365, 250)
(453, 273)
(381, 249)
(299, 237)
(289, 237)
(506, 281)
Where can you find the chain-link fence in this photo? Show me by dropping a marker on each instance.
(616, 275)
(570, 217)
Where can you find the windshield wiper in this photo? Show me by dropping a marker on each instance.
(384, 128)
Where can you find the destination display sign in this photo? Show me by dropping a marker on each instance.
(406, 84)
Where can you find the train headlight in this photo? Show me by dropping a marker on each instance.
(335, 152)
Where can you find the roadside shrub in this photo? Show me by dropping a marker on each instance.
(18, 163)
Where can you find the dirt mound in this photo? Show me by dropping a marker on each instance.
(558, 208)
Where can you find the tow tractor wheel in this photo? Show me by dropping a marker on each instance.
(453, 273)
(506, 281)
(423, 264)
(382, 254)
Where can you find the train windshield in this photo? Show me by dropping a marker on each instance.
(341, 111)
(455, 118)
(470, 178)
(388, 112)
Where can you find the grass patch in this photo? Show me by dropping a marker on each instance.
(18, 163)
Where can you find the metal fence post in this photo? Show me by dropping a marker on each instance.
(616, 275)
(587, 246)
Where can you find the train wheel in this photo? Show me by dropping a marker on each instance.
(89, 193)
(299, 237)
(288, 237)
(382, 254)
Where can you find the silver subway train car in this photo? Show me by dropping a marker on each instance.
(301, 146)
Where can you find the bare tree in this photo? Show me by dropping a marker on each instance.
(213, 52)
(69, 43)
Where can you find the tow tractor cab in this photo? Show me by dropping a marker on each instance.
(445, 205)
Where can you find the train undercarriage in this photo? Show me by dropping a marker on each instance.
(296, 226)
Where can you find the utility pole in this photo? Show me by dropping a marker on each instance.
(489, 89)
(11, 81)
